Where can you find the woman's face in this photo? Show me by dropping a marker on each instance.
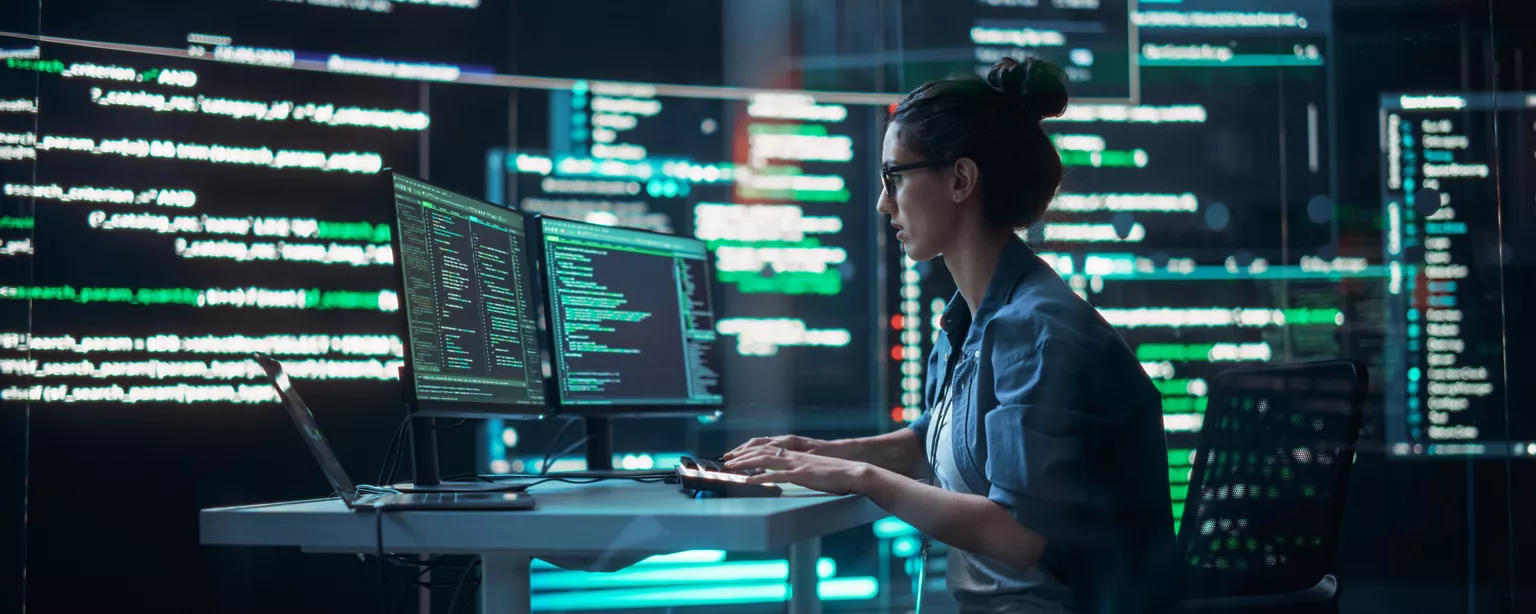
(922, 205)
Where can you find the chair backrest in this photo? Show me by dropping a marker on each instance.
(1267, 488)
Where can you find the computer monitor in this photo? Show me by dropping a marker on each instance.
(472, 345)
(631, 320)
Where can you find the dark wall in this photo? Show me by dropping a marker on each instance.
(671, 41)
(1426, 536)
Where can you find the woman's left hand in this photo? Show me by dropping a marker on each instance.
(824, 473)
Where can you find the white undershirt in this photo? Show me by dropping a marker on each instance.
(979, 583)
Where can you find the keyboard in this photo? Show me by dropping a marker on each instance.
(710, 478)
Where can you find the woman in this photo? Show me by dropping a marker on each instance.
(1043, 434)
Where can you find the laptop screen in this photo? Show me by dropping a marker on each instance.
(305, 421)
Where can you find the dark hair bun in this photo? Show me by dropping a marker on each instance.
(1040, 87)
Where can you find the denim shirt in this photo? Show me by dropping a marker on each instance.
(1055, 420)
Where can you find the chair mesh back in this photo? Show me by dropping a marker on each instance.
(1267, 487)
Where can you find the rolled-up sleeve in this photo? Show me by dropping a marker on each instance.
(921, 426)
(1038, 440)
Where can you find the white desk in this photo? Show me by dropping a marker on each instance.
(604, 520)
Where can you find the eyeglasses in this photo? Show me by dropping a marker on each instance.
(889, 173)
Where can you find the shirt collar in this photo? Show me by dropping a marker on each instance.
(1016, 262)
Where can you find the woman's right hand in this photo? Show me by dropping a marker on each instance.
(791, 443)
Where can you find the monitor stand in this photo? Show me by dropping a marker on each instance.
(599, 444)
(424, 462)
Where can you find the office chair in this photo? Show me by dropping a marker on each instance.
(1267, 489)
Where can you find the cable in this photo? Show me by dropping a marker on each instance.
(594, 480)
(544, 464)
(453, 604)
(644, 478)
(415, 583)
(395, 468)
(493, 479)
(544, 468)
(389, 452)
(455, 425)
(433, 562)
(384, 560)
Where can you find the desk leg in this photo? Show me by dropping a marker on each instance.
(505, 588)
(803, 557)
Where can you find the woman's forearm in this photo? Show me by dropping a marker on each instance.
(899, 451)
(969, 522)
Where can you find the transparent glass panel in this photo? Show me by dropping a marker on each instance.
(18, 172)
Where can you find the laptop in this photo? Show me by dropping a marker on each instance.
(350, 493)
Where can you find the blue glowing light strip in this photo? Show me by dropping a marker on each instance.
(836, 589)
(889, 527)
(709, 574)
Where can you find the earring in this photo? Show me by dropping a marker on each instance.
(957, 198)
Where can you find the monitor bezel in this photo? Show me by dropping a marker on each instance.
(458, 409)
(659, 409)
